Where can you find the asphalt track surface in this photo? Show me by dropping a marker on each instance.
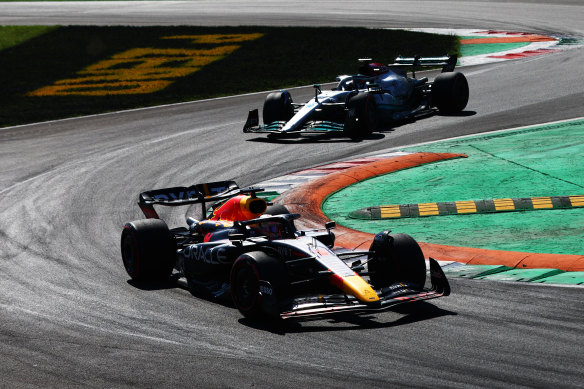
(69, 318)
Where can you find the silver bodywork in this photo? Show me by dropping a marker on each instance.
(390, 86)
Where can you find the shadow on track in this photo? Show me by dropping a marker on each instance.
(410, 313)
(461, 114)
(308, 138)
(171, 283)
(400, 315)
(339, 138)
(177, 282)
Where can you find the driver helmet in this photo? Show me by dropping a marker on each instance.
(373, 69)
(270, 229)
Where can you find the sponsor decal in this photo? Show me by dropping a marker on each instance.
(286, 251)
(214, 190)
(396, 286)
(176, 196)
(207, 253)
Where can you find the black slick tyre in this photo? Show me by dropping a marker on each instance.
(397, 258)
(148, 250)
(259, 282)
(450, 92)
(361, 117)
(278, 107)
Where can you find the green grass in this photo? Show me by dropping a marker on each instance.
(15, 35)
(530, 162)
(37, 57)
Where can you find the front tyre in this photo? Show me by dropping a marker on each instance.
(450, 92)
(396, 258)
(278, 107)
(361, 117)
(259, 282)
(148, 250)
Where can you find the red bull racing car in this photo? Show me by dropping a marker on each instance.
(243, 249)
(362, 103)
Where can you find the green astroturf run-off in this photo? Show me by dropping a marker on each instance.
(489, 48)
(530, 162)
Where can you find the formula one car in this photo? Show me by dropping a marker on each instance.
(362, 103)
(245, 250)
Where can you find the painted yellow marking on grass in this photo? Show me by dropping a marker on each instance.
(541, 202)
(466, 207)
(577, 201)
(145, 70)
(390, 211)
(427, 209)
(504, 204)
(217, 39)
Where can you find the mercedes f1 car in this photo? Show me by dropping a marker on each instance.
(362, 103)
(244, 249)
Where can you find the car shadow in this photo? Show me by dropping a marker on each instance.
(411, 313)
(171, 283)
(459, 114)
(175, 281)
(407, 313)
(315, 138)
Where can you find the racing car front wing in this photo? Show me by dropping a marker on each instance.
(395, 294)
(310, 127)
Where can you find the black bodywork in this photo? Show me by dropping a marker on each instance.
(267, 266)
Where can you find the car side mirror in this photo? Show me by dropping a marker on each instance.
(330, 225)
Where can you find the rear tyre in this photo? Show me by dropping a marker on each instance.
(397, 258)
(361, 117)
(148, 250)
(259, 282)
(450, 92)
(278, 107)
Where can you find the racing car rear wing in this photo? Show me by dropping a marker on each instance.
(447, 62)
(194, 194)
